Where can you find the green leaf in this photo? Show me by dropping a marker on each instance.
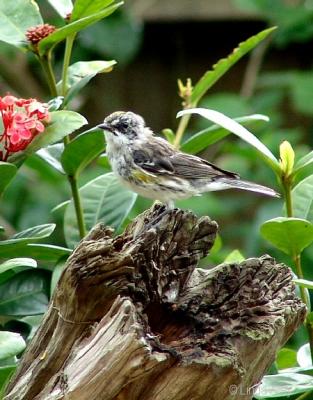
(7, 172)
(104, 200)
(57, 272)
(43, 252)
(223, 65)
(291, 235)
(104, 162)
(5, 373)
(304, 162)
(302, 199)
(26, 293)
(169, 134)
(17, 262)
(60, 206)
(237, 129)
(52, 154)
(27, 236)
(15, 18)
(234, 257)
(286, 358)
(35, 232)
(62, 124)
(282, 385)
(11, 344)
(304, 356)
(80, 73)
(70, 29)
(85, 8)
(62, 7)
(304, 283)
(81, 151)
(214, 133)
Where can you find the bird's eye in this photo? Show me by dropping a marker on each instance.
(123, 125)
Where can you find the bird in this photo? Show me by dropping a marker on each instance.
(153, 168)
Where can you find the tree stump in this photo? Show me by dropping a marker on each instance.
(133, 318)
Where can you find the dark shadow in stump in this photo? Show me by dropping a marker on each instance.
(133, 318)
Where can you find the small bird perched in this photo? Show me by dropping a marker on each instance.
(153, 168)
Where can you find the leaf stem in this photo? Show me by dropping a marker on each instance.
(67, 58)
(45, 62)
(78, 206)
(183, 123)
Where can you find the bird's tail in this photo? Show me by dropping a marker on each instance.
(253, 187)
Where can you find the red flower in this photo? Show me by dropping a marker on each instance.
(22, 121)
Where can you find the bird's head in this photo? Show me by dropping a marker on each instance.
(124, 127)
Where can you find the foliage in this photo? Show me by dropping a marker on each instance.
(63, 160)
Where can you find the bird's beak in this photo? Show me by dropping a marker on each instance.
(106, 127)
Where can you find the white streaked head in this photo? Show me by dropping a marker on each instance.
(122, 128)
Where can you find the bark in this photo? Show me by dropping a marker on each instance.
(133, 318)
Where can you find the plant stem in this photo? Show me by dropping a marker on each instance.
(72, 178)
(286, 181)
(78, 206)
(45, 62)
(288, 198)
(67, 58)
(183, 123)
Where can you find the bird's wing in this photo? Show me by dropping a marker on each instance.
(161, 158)
(189, 166)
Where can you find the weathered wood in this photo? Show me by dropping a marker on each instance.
(133, 318)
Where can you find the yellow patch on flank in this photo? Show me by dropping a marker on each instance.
(143, 177)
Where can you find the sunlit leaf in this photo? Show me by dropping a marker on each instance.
(11, 344)
(214, 133)
(280, 385)
(291, 235)
(237, 129)
(52, 154)
(304, 283)
(304, 356)
(17, 262)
